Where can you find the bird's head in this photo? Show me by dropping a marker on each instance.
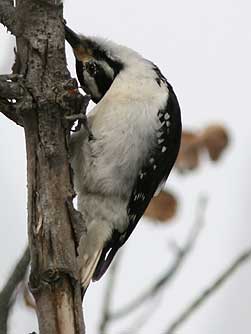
(98, 62)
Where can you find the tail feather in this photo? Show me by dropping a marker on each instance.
(96, 250)
(104, 263)
(88, 266)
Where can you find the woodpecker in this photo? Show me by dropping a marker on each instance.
(136, 128)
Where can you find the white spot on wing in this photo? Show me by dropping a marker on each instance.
(159, 134)
(163, 149)
(139, 196)
(132, 217)
(141, 175)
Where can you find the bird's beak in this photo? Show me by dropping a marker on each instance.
(71, 37)
(81, 50)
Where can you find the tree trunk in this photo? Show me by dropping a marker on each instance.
(40, 58)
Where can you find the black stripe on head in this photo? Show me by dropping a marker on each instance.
(100, 54)
(79, 70)
(97, 74)
(95, 77)
(115, 65)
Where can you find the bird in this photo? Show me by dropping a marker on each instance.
(136, 132)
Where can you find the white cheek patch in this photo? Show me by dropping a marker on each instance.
(108, 70)
(91, 84)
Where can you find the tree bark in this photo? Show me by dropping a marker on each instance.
(46, 101)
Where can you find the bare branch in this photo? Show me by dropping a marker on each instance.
(8, 15)
(10, 88)
(199, 300)
(108, 295)
(181, 255)
(144, 318)
(9, 110)
(6, 295)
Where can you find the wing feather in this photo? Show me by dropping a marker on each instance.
(154, 171)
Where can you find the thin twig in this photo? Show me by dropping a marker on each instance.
(143, 319)
(6, 295)
(171, 271)
(107, 301)
(199, 300)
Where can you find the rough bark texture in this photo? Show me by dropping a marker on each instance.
(8, 16)
(45, 103)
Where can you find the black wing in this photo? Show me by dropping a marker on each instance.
(152, 173)
(159, 166)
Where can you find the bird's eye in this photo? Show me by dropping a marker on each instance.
(91, 68)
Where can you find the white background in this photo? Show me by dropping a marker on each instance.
(203, 48)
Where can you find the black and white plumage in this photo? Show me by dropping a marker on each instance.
(136, 126)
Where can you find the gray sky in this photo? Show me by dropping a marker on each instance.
(203, 48)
